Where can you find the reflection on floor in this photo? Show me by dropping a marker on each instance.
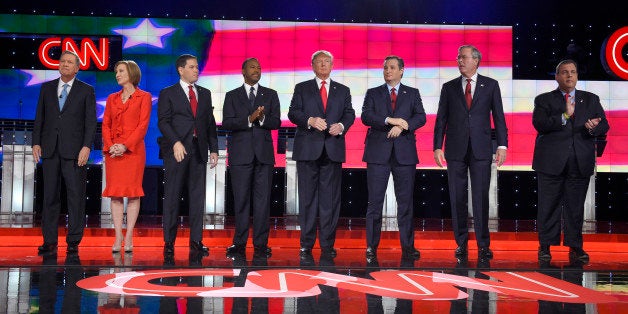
(144, 281)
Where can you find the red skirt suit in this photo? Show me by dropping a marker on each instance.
(126, 123)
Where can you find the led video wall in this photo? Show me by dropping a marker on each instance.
(31, 45)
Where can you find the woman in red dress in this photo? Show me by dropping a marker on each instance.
(124, 126)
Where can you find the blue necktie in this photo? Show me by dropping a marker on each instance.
(252, 96)
(64, 96)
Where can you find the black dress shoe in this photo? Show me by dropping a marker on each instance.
(262, 251)
(198, 246)
(305, 252)
(168, 248)
(409, 252)
(544, 253)
(236, 249)
(47, 248)
(485, 252)
(72, 247)
(328, 252)
(371, 253)
(578, 254)
(461, 251)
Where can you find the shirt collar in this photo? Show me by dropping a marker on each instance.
(474, 78)
(247, 87)
(396, 87)
(572, 94)
(70, 83)
(318, 81)
(185, 85)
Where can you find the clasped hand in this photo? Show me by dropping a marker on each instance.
(258, 114)
(116, 150)
(592, 123)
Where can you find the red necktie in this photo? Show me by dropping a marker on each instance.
(567, 102)
(193, 101)
(324, 95)
(467, 93)
(393, 98)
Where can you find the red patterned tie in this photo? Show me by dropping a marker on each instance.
(467, 93)
(324, 95)
(393, 98)
(567, 102)
(193, 101)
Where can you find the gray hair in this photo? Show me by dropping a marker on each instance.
(475, 53)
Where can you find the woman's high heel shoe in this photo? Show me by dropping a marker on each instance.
(128, 246)
(117, 246)
(115, 249)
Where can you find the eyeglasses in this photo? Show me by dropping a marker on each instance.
(463, 57)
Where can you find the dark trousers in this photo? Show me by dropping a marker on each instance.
(480, 172)
(562, 195)
(377, 181)
(191, 170)
(74, 176)
(319, 195)
(251, 183)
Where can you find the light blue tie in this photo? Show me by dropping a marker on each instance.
(64, 96)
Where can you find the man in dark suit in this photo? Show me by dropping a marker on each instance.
(464, 118)
(321, 109)
(567, 121)
(393, 112)
(186, 121)
(65, 123)
(250, 112)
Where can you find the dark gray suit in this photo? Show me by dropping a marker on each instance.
(564, 159)
(251, 159)
(177, 123)
(62, 134)
(468, 147)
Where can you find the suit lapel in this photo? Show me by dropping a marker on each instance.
(383, 90)
(317, 93)
(71, 95)
(479, 91)
(186, 102)
(460, 93)
(53, 91)
(580, 110)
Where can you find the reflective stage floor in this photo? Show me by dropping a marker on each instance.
(97, 281)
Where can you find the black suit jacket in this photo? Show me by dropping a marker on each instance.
(255, 141)
(377, 106)
(554, 140)
(176, 121)
(73, 127)
(306, 102)
(461, 125)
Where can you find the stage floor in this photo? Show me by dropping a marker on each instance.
(96, 280)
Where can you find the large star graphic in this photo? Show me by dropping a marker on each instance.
(39, 76)
(145, 33)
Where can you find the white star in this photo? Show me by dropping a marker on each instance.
(145, 33)
(40, 76)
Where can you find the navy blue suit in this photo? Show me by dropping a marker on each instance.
(564, 159)
(177, 123)
(385, 155)
(468, 148)
(319, 158)
(251, 159)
